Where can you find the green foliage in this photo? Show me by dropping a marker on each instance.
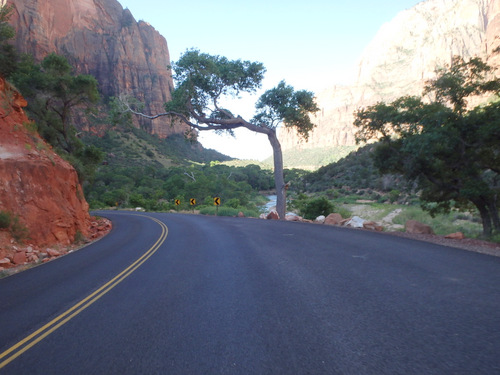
(129, 147)
(442, 224)
(8, 54)
(11, 222)
(18, 230)
(155, 187)
(203, 78)
(316, 207)
(312, 207)
(283, 104)
(449, 150)
(53, 93)
(356, 173)
(314, 158)
(228, 211)
(5, 219)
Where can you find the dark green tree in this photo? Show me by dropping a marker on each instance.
(54, 93)
(451, 149)
(8, 54)
(203, 80)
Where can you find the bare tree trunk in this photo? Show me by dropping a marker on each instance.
(279, 180)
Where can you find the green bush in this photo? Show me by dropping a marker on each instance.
(5, 219)
(234, 203)
(316, 207)
(18, 230)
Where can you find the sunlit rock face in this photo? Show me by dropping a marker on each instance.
(101, 38)
(401, 57)
(36, 184)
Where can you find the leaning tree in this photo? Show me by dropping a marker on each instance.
(203, 80)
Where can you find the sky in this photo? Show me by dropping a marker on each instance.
(311, 44)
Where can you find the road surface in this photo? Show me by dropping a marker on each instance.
(190, 294)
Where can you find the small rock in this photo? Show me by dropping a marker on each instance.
(344, 222)
(53, 253)
(415, 227)
(355, 222)
(320, 219)
(241, 214)
(292, 217)
(455, 236)
(371, 225)
(5, 261)
(29, 249)
(273, 215)
(19, 258)
(333, 219)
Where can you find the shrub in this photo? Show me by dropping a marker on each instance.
(5, 219)
(18, 230)
(234, 203)
(316, 207)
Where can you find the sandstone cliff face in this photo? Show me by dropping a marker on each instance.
(100, 38)
(35, 183)
(402, 56)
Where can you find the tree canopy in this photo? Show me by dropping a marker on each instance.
(449, 147)
(202, 80)
(53, 93)
(8, 54)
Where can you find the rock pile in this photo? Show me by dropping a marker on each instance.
(14, 256)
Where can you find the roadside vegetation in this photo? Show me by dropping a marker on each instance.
(124, 167)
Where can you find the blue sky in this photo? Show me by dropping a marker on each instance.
(311, 44)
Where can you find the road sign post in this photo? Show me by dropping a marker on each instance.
(192, 202)
(217, 204)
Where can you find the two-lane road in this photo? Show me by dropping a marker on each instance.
(215, 295)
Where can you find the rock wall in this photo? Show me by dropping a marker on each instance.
(35, 183)
(401, 57)
(101, 38)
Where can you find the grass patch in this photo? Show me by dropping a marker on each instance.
(444, 223)
(228, 211)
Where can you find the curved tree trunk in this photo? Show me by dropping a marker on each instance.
(279, 180)
(494, 214)
(485, 216)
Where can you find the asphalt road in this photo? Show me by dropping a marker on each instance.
(242, 296)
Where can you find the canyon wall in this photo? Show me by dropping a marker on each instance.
(101, 38)
(35, 183)
(402, 56)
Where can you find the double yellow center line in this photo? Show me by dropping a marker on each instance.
(37, 336)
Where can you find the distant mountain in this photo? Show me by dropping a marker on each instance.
(398, 61)
(101, 38)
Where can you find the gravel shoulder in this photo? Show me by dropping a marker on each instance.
(470, 244)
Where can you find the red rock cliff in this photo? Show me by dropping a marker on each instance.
(35, 183)
(100, 38)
